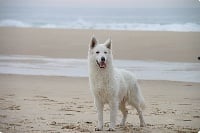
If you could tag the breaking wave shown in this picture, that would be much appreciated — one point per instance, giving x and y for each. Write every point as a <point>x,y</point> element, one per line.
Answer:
<point>82,24</point>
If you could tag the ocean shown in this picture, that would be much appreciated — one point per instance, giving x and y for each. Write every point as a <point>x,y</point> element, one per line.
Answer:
<point>68,67</point>
<point>145,19</point>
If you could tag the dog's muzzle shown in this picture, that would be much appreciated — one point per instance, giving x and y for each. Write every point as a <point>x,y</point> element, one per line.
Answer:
<point>101,64</point>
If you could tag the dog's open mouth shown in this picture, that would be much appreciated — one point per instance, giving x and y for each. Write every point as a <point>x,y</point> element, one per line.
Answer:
<point>101,64</point>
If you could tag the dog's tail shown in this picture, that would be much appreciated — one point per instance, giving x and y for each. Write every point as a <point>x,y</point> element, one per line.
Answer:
<point>135,96</point>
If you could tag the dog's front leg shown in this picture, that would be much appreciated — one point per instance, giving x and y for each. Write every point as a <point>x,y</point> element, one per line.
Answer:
<point>113,115</point>
<point>99,106</point>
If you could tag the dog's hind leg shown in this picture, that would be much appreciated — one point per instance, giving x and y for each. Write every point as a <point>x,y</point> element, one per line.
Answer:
<point>139,110</point>
<point>124,111</point>
<point>136,100</point>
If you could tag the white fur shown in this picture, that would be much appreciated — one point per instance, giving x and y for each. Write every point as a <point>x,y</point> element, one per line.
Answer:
<point>112,86</point>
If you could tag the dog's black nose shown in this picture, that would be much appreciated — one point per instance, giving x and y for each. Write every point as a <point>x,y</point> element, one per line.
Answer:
<point>103,59</point>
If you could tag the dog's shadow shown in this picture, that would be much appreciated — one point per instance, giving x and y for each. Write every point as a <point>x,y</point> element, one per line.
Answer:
<point>128,128</point>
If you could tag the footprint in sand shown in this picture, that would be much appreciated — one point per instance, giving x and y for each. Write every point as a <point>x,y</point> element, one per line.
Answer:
<point>41,97</point>
<point>41,118</point>
<point>196,116</point>
<point>68,109</point>
<point>184,104</point>
<point>3,116</point>
<point>44,98</point>
<point>13,107</point>
<point>60,103</point>
<point>81,106</point>
<point>69,126</point>
<point>10,95</point>
<point>187,120</point>
<point>188,85</point>
<point>88,122</point>
<point>150,125</point>
<point>69,114</point>
<point>2,99</point>
<point>76,127</point>
<point>53,123</point>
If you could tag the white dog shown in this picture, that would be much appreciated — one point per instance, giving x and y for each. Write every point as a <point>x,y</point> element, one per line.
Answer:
<point>112,86</point>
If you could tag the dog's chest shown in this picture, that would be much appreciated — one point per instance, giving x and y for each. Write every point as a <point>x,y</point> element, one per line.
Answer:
<point>104,94</point>
<point>103,88</point>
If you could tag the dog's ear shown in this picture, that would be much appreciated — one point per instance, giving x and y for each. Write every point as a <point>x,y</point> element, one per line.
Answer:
<point>93,42</point>
<point>108,43</point>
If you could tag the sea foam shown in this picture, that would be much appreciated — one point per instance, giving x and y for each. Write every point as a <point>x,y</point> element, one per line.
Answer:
<point>82,24</point>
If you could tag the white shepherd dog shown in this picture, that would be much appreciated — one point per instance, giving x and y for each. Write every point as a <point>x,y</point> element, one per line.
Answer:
<point>112,86</point>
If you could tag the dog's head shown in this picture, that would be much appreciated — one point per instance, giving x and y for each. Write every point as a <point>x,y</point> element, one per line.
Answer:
<point>101,54</point>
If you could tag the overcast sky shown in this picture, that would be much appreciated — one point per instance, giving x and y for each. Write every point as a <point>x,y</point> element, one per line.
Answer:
<point>105,3</point>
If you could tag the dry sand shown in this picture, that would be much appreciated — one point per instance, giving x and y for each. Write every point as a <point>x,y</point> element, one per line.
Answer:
<point>64,104</point>
<point>60,104</point>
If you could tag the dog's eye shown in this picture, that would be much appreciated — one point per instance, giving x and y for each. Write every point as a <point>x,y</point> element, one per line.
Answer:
<point>97,52</point>
<point>105,52</point>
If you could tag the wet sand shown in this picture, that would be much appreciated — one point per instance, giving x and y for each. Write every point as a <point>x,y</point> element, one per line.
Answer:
<point>135,45</point>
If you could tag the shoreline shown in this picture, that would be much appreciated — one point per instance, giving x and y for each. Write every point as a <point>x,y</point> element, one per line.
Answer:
<point>86,78</point>
<point>68,67</point>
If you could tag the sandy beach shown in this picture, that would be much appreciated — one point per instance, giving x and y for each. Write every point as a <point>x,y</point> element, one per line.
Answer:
<point>64,104</point>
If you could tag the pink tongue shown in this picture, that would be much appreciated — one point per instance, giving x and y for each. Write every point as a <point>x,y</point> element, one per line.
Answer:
<point>102,64</point>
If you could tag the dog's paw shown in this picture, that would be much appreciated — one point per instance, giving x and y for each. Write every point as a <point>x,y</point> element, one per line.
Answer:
<point>111,129</point>
<point>122,124</point>
<point>142,125</point>
<point>98,129</point>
